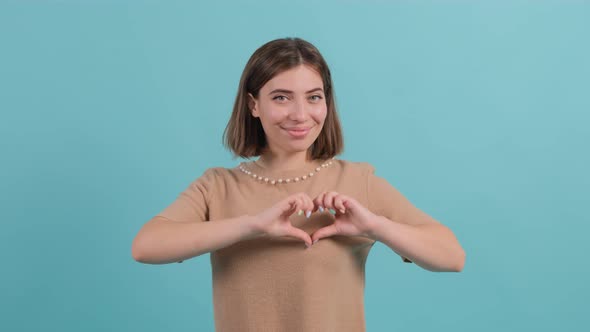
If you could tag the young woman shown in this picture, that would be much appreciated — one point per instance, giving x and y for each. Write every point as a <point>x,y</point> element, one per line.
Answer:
<point>289,232</point>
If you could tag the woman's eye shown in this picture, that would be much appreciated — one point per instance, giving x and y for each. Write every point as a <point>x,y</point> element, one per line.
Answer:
<point>280,98</point>
<point>316,99</point>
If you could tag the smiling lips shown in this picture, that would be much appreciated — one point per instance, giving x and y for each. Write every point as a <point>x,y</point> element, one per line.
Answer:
<point>297,132</point>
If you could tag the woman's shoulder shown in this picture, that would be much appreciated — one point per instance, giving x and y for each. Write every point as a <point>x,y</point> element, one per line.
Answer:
<point>219,173</point>
<point>211,176</point>
<point>355,166</point>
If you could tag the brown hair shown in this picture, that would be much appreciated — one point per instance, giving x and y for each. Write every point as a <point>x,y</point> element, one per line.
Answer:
<point>244,135</point>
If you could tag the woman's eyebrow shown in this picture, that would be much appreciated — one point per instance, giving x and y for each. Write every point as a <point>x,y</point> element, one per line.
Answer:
<point>290,92</point>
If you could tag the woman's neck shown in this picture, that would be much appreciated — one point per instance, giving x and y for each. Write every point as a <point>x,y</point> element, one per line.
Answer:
<point>284,161</point>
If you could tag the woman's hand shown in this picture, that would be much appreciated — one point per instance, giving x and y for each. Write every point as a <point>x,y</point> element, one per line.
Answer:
<point>274,221</point>
<point>352,218</point>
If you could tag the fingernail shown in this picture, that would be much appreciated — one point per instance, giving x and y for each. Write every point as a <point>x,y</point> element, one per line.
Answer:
<point>332,211</point>
<point>307,246</point>
<point>342,211</point>
<point>307,214</point>
<point>300,212</point>
<point>314,241</point>
<point>321,208</point>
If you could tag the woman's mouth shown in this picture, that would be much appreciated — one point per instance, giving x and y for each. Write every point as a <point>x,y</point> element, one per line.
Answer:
<point>297,132</point>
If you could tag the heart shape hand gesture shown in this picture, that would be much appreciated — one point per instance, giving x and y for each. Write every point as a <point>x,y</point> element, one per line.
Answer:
<point>351,217</point>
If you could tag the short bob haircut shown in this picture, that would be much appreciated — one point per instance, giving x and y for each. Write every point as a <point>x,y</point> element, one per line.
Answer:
<point>244,135</point>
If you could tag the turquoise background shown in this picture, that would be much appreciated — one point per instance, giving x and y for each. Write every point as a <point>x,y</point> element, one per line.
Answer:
<point>476,110</point>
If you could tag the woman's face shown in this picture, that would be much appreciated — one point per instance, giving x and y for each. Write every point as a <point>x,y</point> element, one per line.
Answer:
<point>292,109</point>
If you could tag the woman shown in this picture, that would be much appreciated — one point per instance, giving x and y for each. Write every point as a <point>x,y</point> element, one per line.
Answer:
<point>289,233</point>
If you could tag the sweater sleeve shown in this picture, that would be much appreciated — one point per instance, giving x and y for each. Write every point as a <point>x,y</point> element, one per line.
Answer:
<point>192,203</point>
<point>385,200</point>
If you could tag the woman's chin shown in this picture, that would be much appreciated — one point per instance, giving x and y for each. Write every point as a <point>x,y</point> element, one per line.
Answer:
<point>298,147</point>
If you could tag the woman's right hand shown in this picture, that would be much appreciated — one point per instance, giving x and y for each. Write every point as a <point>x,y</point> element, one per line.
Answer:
<point>274,221</point>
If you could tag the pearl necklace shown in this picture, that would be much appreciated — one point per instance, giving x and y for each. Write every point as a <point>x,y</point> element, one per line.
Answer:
<point>281,180</point>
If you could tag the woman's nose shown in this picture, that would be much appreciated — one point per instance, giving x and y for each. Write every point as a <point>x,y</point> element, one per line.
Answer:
<point>299,111</point>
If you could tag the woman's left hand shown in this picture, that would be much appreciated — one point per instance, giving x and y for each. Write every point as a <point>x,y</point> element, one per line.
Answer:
<point>352,218</point>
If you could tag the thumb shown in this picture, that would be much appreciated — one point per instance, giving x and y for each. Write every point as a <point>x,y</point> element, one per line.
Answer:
<point>324,232</point>
<point>300,234</point>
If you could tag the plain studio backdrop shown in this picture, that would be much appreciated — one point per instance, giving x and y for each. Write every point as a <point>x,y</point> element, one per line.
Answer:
<point>477,111</point>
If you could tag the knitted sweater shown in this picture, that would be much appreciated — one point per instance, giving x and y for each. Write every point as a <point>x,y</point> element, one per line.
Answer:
<point>276,284</point>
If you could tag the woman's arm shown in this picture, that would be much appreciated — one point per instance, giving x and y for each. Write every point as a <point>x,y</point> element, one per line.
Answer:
<point>432,246</point>
<point>162,241</point>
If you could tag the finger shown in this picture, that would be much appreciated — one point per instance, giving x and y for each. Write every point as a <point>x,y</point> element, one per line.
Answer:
<point>324,232</point>
<point>309,206</point>
<point>329,200</point>
<point>300,205</point>
<point>338,203</point>
<point>349,203</point>
<point>289,206</point>
<point>319,202</point>
<point>299,234</point>
<point>297,205</point>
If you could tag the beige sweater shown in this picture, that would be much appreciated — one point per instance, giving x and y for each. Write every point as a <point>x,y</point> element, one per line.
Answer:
<point>276,284</point>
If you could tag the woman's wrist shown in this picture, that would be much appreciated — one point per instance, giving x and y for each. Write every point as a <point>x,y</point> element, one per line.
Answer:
<point>252,230</point>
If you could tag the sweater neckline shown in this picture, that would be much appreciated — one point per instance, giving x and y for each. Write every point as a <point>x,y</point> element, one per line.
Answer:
<point>263,171</point>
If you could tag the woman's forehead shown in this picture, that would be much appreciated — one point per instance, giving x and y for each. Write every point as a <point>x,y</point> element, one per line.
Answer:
<point>300,79</point>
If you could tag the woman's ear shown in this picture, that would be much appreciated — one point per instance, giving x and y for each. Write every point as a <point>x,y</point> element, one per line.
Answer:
<point>253,105</point>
